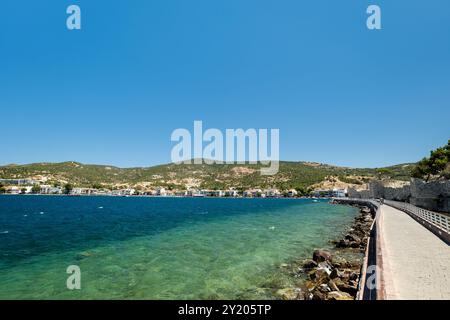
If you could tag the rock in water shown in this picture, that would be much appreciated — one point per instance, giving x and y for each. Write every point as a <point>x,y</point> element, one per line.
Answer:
<point>85,254</point>
<point>321,256</point>
<point>337,295</point>
<point>290,294</point>
<point>310,264</point>
<point>352,237</point>
<point>365,210</point>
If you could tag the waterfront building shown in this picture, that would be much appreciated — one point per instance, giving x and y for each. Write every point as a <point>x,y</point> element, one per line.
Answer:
<point>272,193</point>
<point>47,189</point>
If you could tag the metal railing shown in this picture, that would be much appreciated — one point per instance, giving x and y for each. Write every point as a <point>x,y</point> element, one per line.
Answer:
<point>440,221</point>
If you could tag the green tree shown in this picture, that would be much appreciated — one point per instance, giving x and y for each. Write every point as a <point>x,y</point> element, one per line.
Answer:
<point>23,190</point>
<point>36,189</point>
<point>68,188</point>
<point>436,165</point>
<point>384,173</point>
<point>97,186</point>
<point>301,191</point>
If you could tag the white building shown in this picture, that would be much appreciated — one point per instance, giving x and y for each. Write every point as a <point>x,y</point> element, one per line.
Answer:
<point>47,189</point>
<point>339,193</point>
<point>13,190</point>
<point>253,193</point>
<point>336,193</point>
<point>271,193</point>
<point>161,192</point>
<point>27,189</point>
<point>231,193</point>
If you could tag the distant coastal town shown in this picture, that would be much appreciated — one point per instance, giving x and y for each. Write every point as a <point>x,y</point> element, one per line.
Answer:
<point>30,186</point>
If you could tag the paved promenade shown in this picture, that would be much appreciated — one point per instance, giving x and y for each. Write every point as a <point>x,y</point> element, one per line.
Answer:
<point>416,263</point>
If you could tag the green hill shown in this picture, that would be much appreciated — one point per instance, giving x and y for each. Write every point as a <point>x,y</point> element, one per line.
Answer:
<point>219,176</point>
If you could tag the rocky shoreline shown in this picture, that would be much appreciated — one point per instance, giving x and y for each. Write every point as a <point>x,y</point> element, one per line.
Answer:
<point>332,276</point>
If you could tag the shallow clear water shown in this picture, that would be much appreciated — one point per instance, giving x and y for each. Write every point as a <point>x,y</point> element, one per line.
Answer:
<point>158,248</point>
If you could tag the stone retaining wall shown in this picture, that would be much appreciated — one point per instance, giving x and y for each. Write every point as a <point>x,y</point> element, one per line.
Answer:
<point>433,196</point>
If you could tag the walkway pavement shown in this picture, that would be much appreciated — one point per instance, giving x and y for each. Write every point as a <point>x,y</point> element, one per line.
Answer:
<point>416,263</point>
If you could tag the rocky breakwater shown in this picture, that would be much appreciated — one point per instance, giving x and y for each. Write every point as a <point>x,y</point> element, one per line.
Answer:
<point>332,276</point>
<point>359,232</point>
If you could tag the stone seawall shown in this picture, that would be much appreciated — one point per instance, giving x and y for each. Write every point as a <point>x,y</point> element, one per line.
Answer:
<point>434,196</point>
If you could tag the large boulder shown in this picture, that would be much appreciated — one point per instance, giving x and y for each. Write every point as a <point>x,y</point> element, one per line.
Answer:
<point>319,275</point>
<point>333,286</point>
<point>335,273</point>
<point>365,210</point>
<point>321,256</point>
<point>353,276</point>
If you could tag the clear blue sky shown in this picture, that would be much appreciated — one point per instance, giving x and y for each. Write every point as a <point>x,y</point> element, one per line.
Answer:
<point>113,92</point>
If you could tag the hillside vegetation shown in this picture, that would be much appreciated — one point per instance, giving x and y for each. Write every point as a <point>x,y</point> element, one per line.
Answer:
<point>436,166</point>
<point>298,175</point>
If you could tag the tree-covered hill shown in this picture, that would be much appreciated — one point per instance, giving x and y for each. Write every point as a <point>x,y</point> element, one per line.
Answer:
<point>218,176</point>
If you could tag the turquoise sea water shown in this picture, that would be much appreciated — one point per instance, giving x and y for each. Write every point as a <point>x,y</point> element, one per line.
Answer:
<point>158,248</point>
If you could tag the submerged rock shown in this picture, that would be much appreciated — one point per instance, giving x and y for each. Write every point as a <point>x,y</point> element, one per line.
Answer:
<point>84,255</point>
<point>337,295</point>
<point>290,294</point>
<point>342,243</point>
